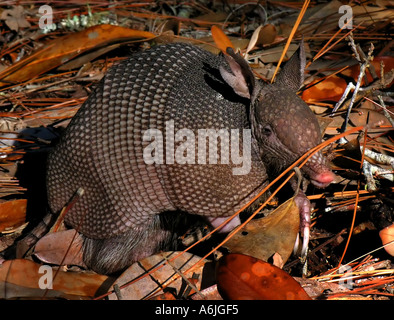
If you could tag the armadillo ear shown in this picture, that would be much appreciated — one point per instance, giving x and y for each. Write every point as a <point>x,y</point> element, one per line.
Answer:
<point>241,77</point>
<point>292,74</point>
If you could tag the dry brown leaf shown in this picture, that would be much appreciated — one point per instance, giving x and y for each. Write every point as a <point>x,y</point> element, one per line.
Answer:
<point>275,233</point>
<point>362,116</point>
<point>60,248</point>
<point>253,39</point>
<point>272,55</point>
<point>267,34</point>
<point>8,238</point>
<point>22,278</point>
<point>63,49</point>
<point>12,214</point>
<point>85,58</point>
<point>14,18</point>
<point>164,276</point>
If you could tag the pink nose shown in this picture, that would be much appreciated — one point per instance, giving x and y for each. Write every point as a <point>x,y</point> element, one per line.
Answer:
<point>325,177</point>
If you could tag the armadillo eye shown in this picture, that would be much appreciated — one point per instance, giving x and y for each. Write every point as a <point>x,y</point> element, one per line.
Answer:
<point>266,130</point>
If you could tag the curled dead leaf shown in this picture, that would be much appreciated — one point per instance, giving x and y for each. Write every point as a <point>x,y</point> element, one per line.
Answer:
<point>275,233</point>
<point>267,34</point>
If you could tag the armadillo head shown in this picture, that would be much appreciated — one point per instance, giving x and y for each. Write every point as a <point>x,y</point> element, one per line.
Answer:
<point>285,129</point>
<point>283,125</point>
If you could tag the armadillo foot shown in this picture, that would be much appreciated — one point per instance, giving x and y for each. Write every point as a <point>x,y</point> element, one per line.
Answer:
<point>305,221</point>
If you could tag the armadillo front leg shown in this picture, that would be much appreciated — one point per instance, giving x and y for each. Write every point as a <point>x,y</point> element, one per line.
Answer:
<point>304,207</point>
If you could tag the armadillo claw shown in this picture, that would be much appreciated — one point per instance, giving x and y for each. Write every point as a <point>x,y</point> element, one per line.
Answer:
<point>305,242</point>
<point>305,221</point>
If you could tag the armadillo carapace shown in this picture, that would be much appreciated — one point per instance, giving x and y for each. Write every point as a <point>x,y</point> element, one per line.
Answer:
<point>137,147</point>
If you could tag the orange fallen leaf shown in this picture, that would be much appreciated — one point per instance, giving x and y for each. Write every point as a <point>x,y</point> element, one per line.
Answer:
<point>221,40</point>
<point>387,236</point>
<point>61,50</point>
<point>330,89</point>
<point>354,71</point>
<point>333,87</point>
<point>12,214</point>
<point>241,277</point>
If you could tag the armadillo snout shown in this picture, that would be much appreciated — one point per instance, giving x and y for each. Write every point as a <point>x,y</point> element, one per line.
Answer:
<point>318,171</point>
<point>323,179</point>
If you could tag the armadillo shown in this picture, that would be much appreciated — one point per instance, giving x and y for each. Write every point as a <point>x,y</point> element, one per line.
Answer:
<point>119,148</point>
